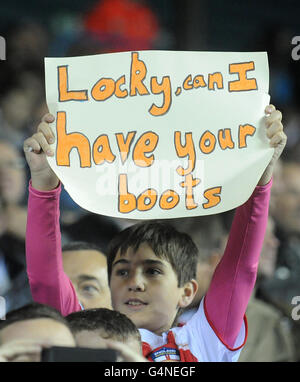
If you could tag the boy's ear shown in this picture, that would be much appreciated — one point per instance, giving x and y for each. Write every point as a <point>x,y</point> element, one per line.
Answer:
<point>189,291</point>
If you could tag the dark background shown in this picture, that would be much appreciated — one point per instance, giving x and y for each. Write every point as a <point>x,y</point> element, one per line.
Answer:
<point>186,25</point>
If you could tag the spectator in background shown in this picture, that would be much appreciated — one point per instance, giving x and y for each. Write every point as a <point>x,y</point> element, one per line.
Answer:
<point>92,228</point>
<point>22,78</point>
<point>270,336</point>
<point>286,213</point>
<point>283,70</point>
<point>285,283</point>
<point>26,331</point>
<point>123,24</point>
<point>293,133</point>
<point>14,285</point>
<point>28,45</point>
<point>86,266</point>
<point>96,328</point>
<point>16,109</point>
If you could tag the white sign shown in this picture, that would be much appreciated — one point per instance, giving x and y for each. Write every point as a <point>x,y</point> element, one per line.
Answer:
<point>159,134</point>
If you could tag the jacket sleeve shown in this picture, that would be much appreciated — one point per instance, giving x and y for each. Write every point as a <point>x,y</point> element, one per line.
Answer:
<point>234,278</point>
<point>48,282</point>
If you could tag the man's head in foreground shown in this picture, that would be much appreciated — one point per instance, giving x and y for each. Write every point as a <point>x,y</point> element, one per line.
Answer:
<point>152,270</point>
<point>93,327</point>
<point>86,266</point>
<point>34,324</point>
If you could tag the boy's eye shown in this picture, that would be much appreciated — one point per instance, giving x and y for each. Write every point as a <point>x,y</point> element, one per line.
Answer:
<point>153,271</point>
<point>122,272</point>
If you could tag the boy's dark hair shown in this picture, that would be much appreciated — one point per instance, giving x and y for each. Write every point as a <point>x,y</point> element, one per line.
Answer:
<point>30,312</point>
<point>81,246</point>
<point>115,324</point>
<point>166,242</point>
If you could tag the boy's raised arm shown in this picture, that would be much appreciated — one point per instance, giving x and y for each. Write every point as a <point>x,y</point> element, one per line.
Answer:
<point>234,278</point>
<point>227,298</point>
<point>48,282</point>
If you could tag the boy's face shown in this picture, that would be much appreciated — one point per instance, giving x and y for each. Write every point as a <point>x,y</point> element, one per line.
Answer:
<point>145,289</point>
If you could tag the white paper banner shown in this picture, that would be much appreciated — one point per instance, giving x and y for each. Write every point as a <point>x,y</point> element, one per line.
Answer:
<point>159,134</point>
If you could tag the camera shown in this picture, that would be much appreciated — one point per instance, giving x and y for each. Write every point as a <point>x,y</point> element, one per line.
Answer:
<point>78,354</point>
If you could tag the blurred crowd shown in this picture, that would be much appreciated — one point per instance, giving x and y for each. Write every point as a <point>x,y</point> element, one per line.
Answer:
<point>116,25</point>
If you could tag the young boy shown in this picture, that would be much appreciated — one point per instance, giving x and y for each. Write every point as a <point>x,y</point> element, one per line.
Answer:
<point>152,268</point>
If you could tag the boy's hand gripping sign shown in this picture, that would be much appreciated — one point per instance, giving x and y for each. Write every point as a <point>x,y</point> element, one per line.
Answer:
<point>159,134</point>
